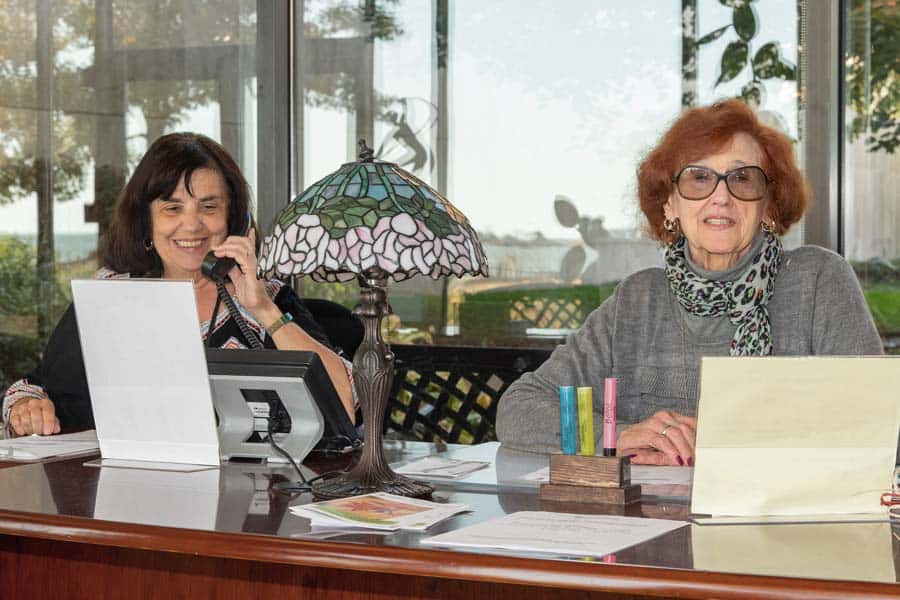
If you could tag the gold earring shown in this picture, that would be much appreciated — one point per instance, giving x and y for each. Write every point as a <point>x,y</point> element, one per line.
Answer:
<point>768,228</point>
<point>670,225</point>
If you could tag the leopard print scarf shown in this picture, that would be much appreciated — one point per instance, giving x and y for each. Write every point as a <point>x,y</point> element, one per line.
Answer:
<point>743,299</point>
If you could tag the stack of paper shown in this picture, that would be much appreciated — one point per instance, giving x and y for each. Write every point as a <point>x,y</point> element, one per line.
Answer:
<point>378,511</point>
<point>439,467</point>
<point>38,447</point>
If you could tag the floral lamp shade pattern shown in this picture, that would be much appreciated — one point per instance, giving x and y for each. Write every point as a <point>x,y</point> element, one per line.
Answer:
<point>371,214</point>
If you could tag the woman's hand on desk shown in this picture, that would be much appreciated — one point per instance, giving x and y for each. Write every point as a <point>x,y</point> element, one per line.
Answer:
<point>33,415</point>
<point>666,438</point>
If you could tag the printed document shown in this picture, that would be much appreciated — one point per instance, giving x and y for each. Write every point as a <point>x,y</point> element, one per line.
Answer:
<point>557,533</point>
<point>440,467</point>
<point>38,447</point>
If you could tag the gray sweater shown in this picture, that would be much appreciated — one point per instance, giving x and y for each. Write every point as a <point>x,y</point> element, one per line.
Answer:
<point>643,336</point>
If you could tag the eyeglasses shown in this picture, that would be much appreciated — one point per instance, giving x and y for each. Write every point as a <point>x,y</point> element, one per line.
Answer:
<point>698,183</point>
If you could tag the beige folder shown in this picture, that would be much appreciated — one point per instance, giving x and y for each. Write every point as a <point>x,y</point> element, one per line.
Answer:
<point>790,436</point>
<point>849,551</point>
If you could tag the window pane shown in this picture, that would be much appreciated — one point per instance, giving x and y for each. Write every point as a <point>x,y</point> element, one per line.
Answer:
<point>532,118</point>
<point>86,87</point>
<point>871,158</point>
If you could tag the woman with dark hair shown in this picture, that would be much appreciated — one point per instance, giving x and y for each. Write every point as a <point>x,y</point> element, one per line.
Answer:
<point>186,198</point>
<point>717,191</point>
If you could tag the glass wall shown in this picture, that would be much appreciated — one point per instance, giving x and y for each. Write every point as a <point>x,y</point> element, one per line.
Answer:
<point>86,87</point>
<point>531,117</point>
<point>871,157</point>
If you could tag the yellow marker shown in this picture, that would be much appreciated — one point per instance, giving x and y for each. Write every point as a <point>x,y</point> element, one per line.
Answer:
<point>586,420</point>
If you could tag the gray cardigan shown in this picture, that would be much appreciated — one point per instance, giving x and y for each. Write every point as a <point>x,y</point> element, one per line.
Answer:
<point>642,336</point>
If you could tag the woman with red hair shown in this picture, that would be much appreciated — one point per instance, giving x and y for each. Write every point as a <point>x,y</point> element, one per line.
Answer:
<point>717,191</point>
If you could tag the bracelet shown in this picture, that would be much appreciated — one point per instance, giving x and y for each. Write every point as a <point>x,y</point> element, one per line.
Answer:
<point>285,318</point>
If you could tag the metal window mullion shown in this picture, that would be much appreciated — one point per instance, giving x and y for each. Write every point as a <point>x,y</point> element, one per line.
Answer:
<point>273,73</point>
<point>822,134</point>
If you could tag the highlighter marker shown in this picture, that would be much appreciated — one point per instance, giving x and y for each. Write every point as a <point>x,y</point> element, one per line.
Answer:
<point>586,421</point>
<point>609,416</point>
<point>567,418</point>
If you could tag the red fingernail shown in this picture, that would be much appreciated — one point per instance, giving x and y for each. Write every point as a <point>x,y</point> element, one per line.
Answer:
<point>629,455</point>
<point>691,461</point>
<point>680,462</point>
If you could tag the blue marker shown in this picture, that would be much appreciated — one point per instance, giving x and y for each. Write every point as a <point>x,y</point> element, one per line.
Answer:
<point>567,418</point>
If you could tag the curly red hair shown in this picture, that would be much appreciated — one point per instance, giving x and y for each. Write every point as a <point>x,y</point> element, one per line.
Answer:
<point>706,130</point>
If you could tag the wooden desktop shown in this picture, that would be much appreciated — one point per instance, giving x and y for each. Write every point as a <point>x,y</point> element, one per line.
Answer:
<point>68,531</point>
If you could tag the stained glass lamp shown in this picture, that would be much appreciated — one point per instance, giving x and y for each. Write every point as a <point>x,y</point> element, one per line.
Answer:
<point>371,221</point>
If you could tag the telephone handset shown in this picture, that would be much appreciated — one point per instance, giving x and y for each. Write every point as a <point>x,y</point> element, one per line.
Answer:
<point>217,268</point>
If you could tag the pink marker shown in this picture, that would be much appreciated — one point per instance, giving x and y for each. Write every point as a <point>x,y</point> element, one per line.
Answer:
<point>609,416</point>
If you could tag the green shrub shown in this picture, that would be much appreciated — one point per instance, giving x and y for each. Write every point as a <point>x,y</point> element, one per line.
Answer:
<point>884,302</point>
<point>18,281</point>
<point>346,293</point>
<point>510,311</point>
<point>18,277</point>
<point>590,295</point>
<point>877,270</point>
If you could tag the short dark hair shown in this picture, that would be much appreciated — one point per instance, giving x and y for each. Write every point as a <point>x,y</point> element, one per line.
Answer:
<point>156,176</point>
<point>705,130</point>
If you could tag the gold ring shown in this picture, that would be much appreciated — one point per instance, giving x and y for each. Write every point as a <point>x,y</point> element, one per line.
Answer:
<point>665,429</point>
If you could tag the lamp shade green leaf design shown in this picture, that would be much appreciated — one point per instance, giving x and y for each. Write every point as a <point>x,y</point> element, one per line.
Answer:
<point>371,214</point>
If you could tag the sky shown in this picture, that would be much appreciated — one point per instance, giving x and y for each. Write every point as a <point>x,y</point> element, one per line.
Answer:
<point>547,98</point>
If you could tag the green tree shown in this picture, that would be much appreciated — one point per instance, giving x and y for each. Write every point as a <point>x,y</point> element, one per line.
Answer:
<point>18,102</point>
<point>765,62</point>
<point>342,19</point>
<point>137,26</point>
<point>873,81</point>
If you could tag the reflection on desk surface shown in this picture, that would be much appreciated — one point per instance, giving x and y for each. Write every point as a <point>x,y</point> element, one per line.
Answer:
<point>851,551</point>
<point>175,499</point>
<point>241,498</point>
<point>516,469</point>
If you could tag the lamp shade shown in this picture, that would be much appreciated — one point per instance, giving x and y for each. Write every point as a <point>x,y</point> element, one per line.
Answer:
<point>370,214</point>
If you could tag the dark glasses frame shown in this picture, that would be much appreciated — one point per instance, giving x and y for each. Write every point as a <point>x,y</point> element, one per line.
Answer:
<point>719,178</point>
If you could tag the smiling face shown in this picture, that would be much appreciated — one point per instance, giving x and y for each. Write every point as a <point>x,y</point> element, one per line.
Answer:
<point>720,229</point>
<point>185,226</point>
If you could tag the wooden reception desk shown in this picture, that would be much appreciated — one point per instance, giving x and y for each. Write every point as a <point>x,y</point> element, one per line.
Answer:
<point>71,531</point>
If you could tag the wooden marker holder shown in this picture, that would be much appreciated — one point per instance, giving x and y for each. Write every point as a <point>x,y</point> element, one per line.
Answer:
<point>603,479</point>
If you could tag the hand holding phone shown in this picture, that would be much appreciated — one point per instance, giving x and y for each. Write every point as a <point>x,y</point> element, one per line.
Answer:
<point>217,268</point>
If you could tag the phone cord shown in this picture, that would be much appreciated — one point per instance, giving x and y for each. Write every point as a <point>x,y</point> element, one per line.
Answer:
<point>236,315</point>
<point>212,320</point>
